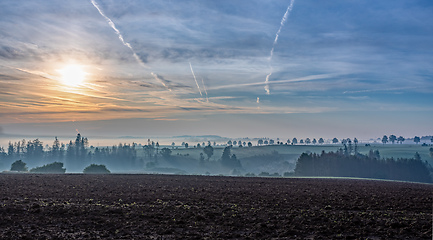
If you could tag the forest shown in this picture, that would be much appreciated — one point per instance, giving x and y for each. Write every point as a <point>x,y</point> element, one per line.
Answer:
<point>343,164</point>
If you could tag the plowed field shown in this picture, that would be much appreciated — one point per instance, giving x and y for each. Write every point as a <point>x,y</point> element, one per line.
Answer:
<point>202,207</point>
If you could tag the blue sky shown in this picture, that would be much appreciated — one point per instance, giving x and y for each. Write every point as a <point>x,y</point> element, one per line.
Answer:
<point>339,68</point>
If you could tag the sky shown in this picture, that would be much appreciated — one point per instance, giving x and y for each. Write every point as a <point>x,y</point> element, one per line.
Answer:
<point>257,68</point>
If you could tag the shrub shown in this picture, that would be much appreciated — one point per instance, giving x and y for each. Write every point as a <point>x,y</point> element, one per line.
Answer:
<point>55,167</point>
<point>94,168</point>
<point>19,166</point>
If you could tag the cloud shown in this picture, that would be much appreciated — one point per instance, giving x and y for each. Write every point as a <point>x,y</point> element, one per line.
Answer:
<point>161,80</point>
<point>301,79</point>
<point>195,79</point>
<point>113,26</point>
<point>335,54</point>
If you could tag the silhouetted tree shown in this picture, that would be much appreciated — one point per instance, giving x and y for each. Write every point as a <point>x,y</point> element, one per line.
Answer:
<point>2,153</point>
<point>55,167</point>
<point>76,153</point>
<point>271,142</point>
<point>208,150</point>
<point>34,151</point>
<point>288,141</point>
<point>11,150</point>
<point>401,139</point>
<point>334,140</point>
<point>229,161</point>
<point>343,141</point>
<point>266,142</point>
<point>235,162</point>
<point>294,141</point>
<point>355,141</point>
<point>301,141</point>
<point>186,145</point>
<point>157,148</point>
<point>384,139</point>
<point>416,139</point>
<point>96,169</point>
<point>225,158</point>
<point>260,142</point>
<point>392,138</point>
<point>166,153</point>
<point>19,166</point>
<point>149,150</point>
<point>57,151</point>
<point>321,141</point>
<point>314,141</point>
<point>349,145</point>
<point>235,143</point>
<point>307,141</point>
<point>230,143</point>
<point>250,144</point>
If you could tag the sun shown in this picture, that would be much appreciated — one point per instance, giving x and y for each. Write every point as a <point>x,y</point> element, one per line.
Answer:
<point>72,75</point>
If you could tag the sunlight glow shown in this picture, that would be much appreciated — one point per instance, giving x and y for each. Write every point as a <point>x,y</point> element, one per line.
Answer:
<point>72,75</point>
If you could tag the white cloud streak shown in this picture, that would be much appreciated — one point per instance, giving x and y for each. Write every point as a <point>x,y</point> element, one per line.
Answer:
<point>205,91</point>
<point>195,79</point>
<point>301,79</point>
<point>283,20</point>
<point>113,26</point>
<point>160,80</point>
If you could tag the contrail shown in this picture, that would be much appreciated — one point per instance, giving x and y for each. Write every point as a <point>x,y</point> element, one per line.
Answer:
<point>195,79</point>
<point>204,87</point>
<point>301,79</point>
<point>160,80</point>
<point>113,26</point>
<point>283,20</point>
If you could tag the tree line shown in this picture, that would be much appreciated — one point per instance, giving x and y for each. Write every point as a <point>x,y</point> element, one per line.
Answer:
<point>76,155</point>
<point>343,164</point>
<point>294,141</point>
<point>392,138</point>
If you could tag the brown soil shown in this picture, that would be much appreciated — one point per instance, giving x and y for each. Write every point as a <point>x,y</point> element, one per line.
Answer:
<point>198,207</point>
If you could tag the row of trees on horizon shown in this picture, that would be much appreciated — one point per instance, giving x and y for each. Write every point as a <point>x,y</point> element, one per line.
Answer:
<point>77,153</point>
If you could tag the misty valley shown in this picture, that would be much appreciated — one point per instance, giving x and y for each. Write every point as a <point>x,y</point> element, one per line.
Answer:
<point>234,189</point>
<point>264,158</point>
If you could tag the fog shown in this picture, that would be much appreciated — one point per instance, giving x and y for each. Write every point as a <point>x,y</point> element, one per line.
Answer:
<point>214,155</point>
